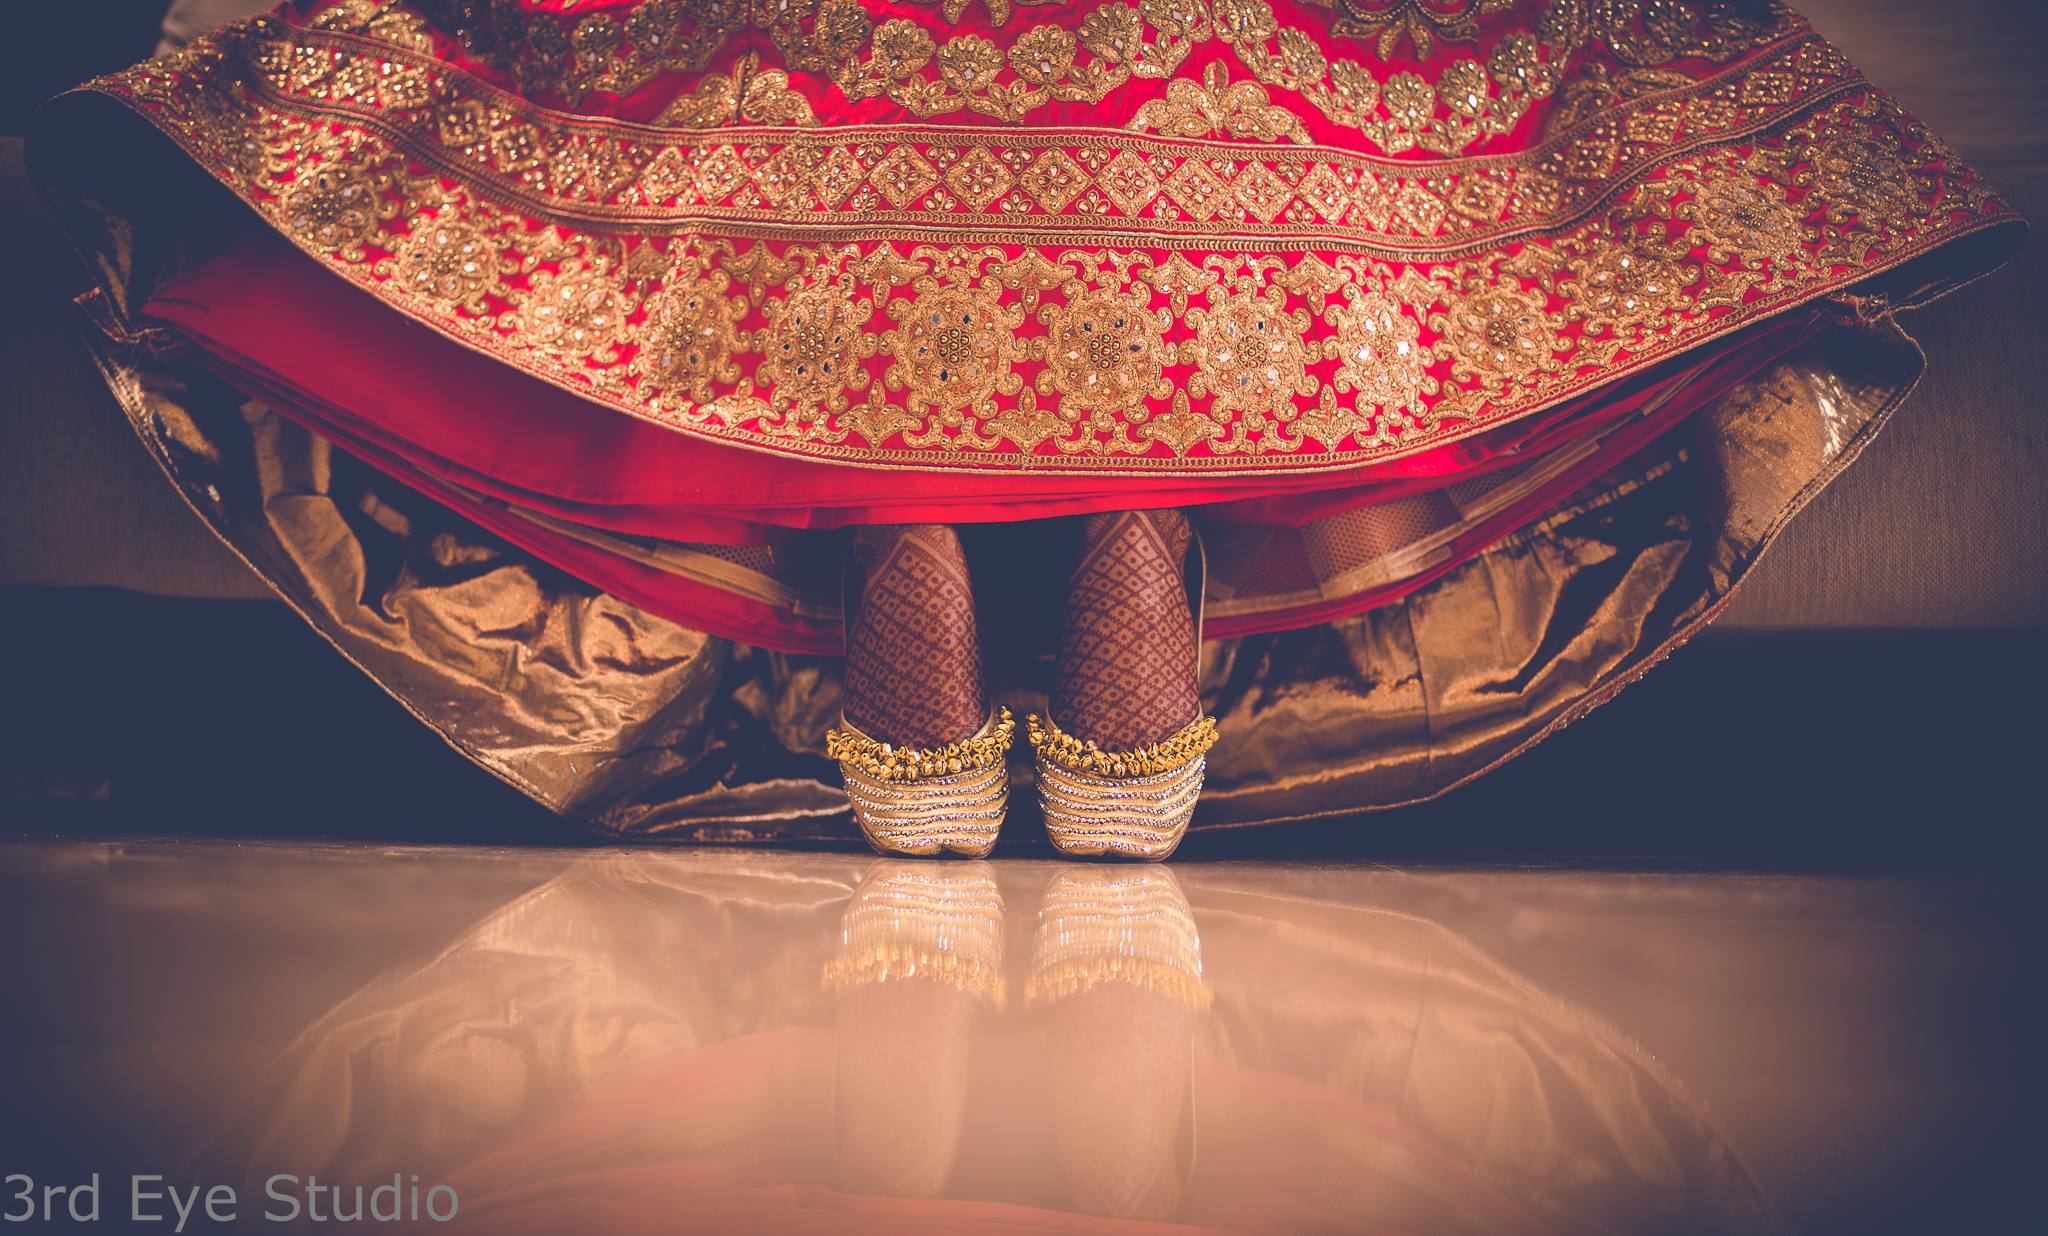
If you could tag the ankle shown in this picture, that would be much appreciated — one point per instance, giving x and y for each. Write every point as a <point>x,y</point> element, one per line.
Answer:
<point>913,665</point>
<point>1127,655</point>
<point>1170,527</point>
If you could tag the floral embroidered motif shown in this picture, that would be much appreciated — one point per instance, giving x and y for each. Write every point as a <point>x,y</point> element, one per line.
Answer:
<point>956,343</point>
<point>393,23</point>
<point>576,317</point>
<point>691,334</point>
<point>1498,335</point>
<point>1421,22</point>
<point>614,52</point>
<point>786,176</point>
<point>1378,349</point>
<point>816,341</point>
<point>1249,346</point>
<point>1857,173</point>
<point>1217,108</point>
<point>1619,288</point>
<point>447,262</point>
<point>1737,218</point>
<point>998,10</point>
<point>749,94</point>
<point>619,51</point>
<point>334,207</point>
<point>1654,32</point>
<point>1105,350</point>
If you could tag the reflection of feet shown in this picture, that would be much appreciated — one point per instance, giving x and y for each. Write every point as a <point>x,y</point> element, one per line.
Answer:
<point>921,949</point>
<point>1120,764</point>
<point>1117,967</point>
<point>921,755</point>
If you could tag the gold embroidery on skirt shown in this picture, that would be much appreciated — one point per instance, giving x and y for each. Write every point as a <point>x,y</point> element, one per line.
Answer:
<point>1387,22</point>
<point>1220,327</point>
<point>1062,179</point>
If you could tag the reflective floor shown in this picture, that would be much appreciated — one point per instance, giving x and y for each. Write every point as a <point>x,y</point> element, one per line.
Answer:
<point>598,1041</point>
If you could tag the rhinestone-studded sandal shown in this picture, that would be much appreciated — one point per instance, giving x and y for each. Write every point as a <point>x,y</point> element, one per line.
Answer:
<point>949,797</point>
<point>1124,804</point>
<point>925,801</point>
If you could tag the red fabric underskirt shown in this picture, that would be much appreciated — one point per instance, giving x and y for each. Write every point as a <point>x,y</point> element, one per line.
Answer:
<point>475,434</point>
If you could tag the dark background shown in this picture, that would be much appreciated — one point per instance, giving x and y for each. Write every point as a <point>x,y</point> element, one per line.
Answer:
<point>50,45</point>
<point>1904,752</point>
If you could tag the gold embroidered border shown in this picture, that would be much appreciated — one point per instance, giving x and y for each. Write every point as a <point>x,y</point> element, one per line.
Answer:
<point>1122,357</point>
<point>1060,184</point>
<point>931,72</point>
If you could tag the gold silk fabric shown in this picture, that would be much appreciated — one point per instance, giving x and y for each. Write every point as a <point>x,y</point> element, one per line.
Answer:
<point>641,728</point>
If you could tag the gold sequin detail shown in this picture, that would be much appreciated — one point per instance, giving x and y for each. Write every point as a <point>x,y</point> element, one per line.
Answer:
<point>1218,107</point>
<point>955,343</point>
<point>1105,349</point>
<point>691,334</point>
<point>1063,750</point>
<point>1421,22</point>
<point>334,206</point>
<point>447,261</point>
<point>907,765</point>
<point>816,343</point>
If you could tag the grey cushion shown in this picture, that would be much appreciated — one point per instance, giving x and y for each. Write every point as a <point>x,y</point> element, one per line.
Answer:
<point>1944,521</point>
<point>80,502</point>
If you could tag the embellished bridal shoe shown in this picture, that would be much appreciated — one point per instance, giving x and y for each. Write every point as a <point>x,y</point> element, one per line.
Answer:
<point>1133,802</point>
<point>927,801</point>
<point>1126,804</point>
<point>937,780</point>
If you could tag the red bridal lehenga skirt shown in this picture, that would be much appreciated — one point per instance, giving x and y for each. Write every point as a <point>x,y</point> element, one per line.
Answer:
<point>539,351</point>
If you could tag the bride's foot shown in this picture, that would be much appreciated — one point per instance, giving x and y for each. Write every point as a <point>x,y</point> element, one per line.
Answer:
<point>1120,763</point>
<point>921,753</point>
<point>913,658</point>
<point>1127,652</point>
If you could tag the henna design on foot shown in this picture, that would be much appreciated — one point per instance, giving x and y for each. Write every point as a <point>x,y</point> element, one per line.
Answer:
<point>1127,653</point>
<point>913,658</point>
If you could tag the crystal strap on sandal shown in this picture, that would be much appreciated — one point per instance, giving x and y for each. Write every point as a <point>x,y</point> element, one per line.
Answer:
<point>923,801</point>
<point>1130,804</point>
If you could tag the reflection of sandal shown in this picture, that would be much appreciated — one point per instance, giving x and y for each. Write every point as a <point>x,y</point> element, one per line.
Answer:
<point>936,921</point>
<point>924,801</point>
<point>1116,977</point>
<point>920,957</point>
<point>1132,803</point>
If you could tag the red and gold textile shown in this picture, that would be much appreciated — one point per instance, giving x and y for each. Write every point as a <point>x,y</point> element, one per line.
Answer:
<point>1184,237</point>
<point>1297,258</point>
